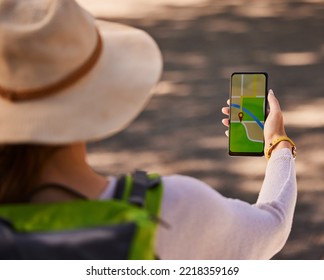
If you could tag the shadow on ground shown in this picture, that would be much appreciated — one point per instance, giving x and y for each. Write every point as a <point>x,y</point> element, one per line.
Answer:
<point>181,131</point>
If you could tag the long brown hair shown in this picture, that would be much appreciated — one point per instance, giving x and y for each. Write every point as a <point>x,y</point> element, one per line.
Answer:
<point>20,167</point>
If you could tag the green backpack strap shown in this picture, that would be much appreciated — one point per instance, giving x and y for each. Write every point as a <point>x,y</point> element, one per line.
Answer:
<point>144,191</point>
<point>141,189</point>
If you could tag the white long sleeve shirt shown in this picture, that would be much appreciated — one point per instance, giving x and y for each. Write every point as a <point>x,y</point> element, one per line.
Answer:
<point>206,225</point>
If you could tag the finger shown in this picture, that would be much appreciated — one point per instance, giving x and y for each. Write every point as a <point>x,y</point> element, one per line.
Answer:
<point>225,122</point>
<point>273,102</point>
<point>226,111</point>
<point>227,133</point>
<point>228,102</point>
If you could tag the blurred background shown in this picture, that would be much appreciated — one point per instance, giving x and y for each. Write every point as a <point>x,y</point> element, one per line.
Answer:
<point>203,42</point>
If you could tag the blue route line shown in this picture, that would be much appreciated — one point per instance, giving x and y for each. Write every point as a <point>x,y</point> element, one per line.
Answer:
<point>250,114</point>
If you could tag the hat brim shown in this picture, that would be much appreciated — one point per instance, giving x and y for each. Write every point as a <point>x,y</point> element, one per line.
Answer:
<point>100,104</point>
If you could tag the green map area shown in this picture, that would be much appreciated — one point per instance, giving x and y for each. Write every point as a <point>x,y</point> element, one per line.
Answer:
<point>247,112</point>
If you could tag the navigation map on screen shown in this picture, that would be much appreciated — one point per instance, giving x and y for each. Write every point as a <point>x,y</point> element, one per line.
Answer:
<point>248,101</point>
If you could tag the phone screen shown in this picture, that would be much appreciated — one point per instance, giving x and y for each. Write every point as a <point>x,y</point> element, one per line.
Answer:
<point>248,103</point>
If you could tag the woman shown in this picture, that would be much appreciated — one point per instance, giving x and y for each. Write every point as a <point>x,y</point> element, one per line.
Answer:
<point>66,79</point>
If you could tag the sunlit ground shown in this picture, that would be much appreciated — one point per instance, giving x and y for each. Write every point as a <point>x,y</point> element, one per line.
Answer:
<point>203,42</point>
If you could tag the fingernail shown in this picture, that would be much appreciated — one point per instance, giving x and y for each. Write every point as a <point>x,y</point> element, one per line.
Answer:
<point>271,92</point>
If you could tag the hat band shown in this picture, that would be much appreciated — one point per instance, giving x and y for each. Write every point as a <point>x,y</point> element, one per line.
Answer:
<point>71,78</point>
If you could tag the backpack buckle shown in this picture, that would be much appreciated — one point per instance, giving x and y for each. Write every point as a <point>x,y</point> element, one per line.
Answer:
<point>141,183</point>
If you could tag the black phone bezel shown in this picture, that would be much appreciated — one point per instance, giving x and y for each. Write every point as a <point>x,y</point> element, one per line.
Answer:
<point>260,154</point>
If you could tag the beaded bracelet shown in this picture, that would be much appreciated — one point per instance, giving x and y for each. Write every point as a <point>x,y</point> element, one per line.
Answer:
<point>276,142</point>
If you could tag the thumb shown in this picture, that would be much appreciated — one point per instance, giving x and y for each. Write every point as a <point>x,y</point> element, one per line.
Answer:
<point>273,102</point>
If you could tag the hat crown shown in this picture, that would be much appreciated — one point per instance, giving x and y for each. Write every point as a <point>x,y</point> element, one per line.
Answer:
<point>42,41</point>
<point>19,12</point>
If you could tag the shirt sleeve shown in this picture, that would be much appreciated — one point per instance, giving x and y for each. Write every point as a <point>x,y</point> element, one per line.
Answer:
<point>203,224</point>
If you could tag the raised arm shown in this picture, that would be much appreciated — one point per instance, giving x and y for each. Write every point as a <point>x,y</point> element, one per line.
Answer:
<point>206,225</point>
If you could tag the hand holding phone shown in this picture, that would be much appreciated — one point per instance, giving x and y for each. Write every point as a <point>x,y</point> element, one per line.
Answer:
<point>273,127</point>
<point>248,103</point>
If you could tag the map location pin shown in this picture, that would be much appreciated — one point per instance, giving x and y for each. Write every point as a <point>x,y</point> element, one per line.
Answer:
<point>240,115</point>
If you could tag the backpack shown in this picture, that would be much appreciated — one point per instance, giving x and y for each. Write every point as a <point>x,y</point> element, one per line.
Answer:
<point>120,228</point>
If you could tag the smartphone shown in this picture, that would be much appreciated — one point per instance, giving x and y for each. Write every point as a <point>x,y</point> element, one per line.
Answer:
<point>248,103</point>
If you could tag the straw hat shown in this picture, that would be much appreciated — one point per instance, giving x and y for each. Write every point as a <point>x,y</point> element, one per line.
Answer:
<point>65,77</point>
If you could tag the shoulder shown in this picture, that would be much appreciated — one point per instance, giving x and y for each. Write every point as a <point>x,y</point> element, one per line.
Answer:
<point>180,187</point>
<point>182,194</point>
<point>181,179</point>
<point>186,186</point>
<point>193,210</point>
